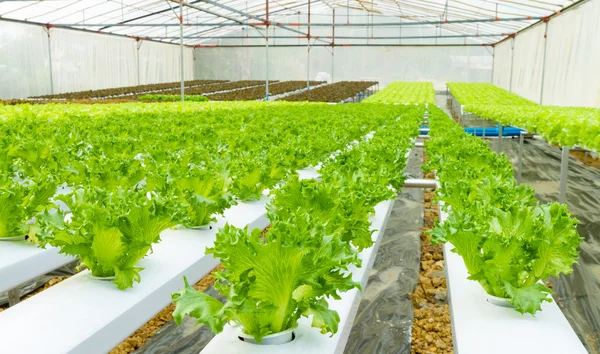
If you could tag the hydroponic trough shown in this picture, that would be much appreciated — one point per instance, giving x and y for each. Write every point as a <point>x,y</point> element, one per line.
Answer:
<point>82,315</point>
<point>21,261</point>
<point>308,339</point>
<point>481,327</point>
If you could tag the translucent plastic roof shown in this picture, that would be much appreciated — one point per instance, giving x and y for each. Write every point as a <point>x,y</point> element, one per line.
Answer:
<point>487,21</point>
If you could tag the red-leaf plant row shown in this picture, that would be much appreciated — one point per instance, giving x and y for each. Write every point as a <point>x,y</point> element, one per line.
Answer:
<point>129,90</point>
<point>205,89</point>
<point>337,92</point>
<point>259,92</point>
<point>234,85</point>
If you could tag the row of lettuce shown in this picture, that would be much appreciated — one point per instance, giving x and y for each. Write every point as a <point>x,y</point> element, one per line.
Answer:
<point>125,172</point>
<point>405,93</point>
<point>509,241</point>
<point>318,228</point>
<point>565,126</point>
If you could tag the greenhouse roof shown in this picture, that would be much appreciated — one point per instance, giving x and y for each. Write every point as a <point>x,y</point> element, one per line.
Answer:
<point>484,21</point>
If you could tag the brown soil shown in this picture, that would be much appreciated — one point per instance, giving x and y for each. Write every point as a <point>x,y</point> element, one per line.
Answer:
<point>143,334</point>
<point>431,331</point>
<point>589,160</point>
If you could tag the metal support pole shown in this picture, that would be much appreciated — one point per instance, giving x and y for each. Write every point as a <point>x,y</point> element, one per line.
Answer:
<point>308,51</point>
<point>308,66</point>
<point>564,175</point>
<point>333,46</point>
<point>267,51</point>
<point>520,163</point>
<point>267,64</point>
<point>332,63</point>
<point>50,63</point>
<point>512,61</point>
<point>544,63</point>
<point>493,62</point>
<point>137,59</point>
<point>14,296</point>
<point>499,148</point>
<point>181,50</point>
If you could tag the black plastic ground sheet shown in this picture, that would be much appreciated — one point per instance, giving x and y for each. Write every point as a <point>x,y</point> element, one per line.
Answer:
<point>385,316</point>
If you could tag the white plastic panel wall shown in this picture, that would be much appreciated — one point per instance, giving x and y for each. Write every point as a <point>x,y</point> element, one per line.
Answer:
<point>573,57</point>
<point>24,68</point>
<point>502,64</point>
<point>528,63</point>
<point>160,63</point>
<point>85,61</point>
<point>81,61</point>
<point>383,64</point>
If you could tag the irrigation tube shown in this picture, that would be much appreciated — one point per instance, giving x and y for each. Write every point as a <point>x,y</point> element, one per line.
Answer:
<point>420,183</point>
<point>485,132</point>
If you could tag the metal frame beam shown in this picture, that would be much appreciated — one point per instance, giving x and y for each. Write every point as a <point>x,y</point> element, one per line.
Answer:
<point>141,17</point>
<point>46,25</point>
<point>321,24</point>
<point>337,45</point>
<point>210,12</point>
<point>256,18</point>
<point>547,18</point>
<point>338,37</point>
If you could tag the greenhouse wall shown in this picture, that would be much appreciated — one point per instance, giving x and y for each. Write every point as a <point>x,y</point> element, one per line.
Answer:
<point>406,57</point>
<point>571,67</point>
<point>383,64</point>
<point>98,61</point>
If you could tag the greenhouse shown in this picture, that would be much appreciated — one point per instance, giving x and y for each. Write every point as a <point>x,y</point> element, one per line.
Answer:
<point>300,176</point>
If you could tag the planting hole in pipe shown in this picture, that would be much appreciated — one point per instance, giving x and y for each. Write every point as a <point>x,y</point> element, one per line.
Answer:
<point>272,339</point>
<point>499,301</point>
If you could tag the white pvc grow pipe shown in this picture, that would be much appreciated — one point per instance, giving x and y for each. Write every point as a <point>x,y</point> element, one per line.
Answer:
<point>21,261</point>
<point>308,339</point>
<point>481,327</point>
<point>104,315</point>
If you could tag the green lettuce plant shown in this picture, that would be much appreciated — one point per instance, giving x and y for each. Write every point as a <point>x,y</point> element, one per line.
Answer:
<point>337,209</point>
<point>110,231</point>
<point>405,93</point>
<point>21,199</point>
<point>565,126</point>
<point>205,194</point>
<point>508,241</point>
<point>271,281</point>
<point>513,251</point>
